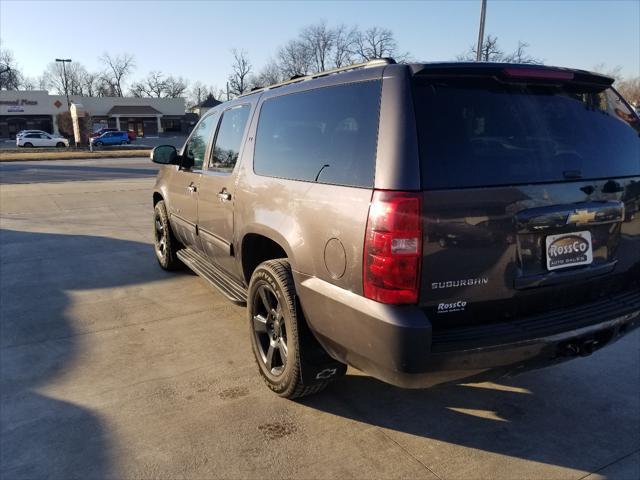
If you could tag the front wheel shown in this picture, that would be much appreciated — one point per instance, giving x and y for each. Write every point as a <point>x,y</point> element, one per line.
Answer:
<point>275,327</point>
<point>28,145</point>
<point>98,144</point>
<point>165,244</point>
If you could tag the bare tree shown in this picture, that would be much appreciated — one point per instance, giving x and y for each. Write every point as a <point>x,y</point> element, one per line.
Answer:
<point>239,79</point>
<point>630,90</point>
<point>29,83</point>
<point>153,85</point>
<point>492,52</point>
<point>343,43</point>
<point>197,94</point>
<point>613,72</point>
<point>268,75</point>
<point>10,75</point>
<point>71,77</point>
<point>117,69</point>
<point>295,59</point>
<point>520,55</point>
<point>320,41</point>
<point>375,42</point>
<point>175,87</point>
<point>90,83</point>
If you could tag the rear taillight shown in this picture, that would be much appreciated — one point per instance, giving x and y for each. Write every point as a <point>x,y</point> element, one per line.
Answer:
<point>393,247</point>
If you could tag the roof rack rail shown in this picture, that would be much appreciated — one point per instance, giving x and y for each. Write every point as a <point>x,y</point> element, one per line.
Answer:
<point>371,63</point>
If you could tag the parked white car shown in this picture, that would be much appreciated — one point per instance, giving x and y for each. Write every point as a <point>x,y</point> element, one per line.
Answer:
<point>22,133</point>
<point>41,140</point>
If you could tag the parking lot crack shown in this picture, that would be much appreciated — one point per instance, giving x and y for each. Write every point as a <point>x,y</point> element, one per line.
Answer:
<point>409,453</point>
<point>588,475</point>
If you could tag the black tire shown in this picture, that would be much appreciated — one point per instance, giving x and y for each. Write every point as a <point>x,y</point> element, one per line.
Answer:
<point>60,145</point>
<point>123,142</point>
<point>282,324</point>
<point>28,145</point>
<point>98,144</point>
<point>165,243</point>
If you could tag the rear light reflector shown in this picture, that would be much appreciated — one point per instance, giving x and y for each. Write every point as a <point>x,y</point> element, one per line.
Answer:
<point>537,74</point>
<point>393,247</point>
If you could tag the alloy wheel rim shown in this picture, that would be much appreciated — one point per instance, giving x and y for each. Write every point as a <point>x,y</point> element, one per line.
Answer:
<point>160,236</point>
<point>269,330</point>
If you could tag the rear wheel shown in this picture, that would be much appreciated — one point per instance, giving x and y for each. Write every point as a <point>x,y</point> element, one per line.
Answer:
<point>60,145</point>
<point>275,328</point>
<point>123,142</point>
<point>166,245</point>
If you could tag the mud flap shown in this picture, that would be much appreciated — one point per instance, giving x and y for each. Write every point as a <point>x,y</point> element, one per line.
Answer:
<point>316,365</point>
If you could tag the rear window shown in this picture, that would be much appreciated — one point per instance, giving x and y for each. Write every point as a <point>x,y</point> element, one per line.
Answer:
<point>328,135</point>
<point>482,132</point>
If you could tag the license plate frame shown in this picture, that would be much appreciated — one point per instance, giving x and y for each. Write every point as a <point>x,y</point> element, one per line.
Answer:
<point>566,250</point>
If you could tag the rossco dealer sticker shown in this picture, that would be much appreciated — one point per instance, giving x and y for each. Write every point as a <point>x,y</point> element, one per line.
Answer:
<point>569,250</point>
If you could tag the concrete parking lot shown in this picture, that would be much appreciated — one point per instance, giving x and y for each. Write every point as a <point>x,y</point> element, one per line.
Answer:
<point>111,367</point>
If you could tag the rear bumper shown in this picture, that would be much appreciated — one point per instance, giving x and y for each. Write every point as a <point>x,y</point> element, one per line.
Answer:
<point>396,344</point>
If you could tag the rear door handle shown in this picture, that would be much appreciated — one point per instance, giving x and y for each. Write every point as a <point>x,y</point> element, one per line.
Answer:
<point>224,195</point>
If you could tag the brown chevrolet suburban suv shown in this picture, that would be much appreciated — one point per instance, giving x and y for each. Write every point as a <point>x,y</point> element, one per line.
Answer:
<point>424,223</point>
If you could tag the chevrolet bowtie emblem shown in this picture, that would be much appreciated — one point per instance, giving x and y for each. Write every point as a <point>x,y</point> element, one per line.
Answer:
<point>580,217</point>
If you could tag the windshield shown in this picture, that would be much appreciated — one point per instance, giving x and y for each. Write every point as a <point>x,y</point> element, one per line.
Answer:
<point>481,132</point>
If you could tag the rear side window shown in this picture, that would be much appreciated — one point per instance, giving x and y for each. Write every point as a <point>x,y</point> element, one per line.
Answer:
<point>482,132</point>
<point>328,135</point>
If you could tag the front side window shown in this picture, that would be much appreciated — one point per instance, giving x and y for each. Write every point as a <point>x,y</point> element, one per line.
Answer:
<point>326,135</point>
<point>197,145</point>
<point>227,147</point>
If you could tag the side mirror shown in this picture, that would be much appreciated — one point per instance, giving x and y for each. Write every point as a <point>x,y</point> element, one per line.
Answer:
<point>165,155</point>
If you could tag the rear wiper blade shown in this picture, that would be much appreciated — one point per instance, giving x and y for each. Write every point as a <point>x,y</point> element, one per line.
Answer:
<point>572,174</point>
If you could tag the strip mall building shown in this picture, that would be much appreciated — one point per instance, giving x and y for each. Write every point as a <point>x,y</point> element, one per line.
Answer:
<point>36,109</point>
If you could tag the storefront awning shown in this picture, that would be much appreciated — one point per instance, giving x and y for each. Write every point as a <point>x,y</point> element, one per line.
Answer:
<point>133,110</point>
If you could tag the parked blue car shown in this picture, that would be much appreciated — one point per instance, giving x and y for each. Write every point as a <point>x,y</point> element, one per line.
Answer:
<point>111,138</point>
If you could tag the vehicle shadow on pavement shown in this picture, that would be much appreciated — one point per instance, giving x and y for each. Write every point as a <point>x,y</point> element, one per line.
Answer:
<point>41,436</point>
<point>571,415</point>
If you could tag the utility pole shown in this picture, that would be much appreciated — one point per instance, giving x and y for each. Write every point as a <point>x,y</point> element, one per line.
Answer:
<point>227,91</point>
<point>483,13</point>
<point>65,83</point>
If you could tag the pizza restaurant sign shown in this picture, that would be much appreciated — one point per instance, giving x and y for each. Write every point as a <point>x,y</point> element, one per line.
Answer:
<point>17,105</point>
<point>22,101</point>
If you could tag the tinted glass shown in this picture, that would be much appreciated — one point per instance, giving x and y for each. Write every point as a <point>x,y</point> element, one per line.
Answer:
<point>196,146</point>
<point>482,132</point>
<point>225,152</point>
<point>329,133</point>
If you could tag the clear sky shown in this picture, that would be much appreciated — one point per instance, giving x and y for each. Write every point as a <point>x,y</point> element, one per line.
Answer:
<point>193,39</point>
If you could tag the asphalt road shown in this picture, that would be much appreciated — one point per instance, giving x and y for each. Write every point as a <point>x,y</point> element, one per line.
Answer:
<point>110,367</point>
<point>176,140</point>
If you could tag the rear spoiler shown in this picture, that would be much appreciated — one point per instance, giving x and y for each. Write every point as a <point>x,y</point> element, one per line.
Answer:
<point>513,73</point>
